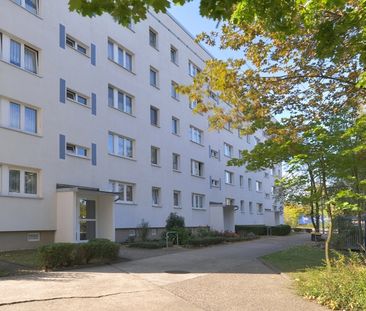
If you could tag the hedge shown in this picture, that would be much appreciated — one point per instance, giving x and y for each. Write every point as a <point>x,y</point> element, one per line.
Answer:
<point>148,244</point>
<point>206,241</point>
<point>256,229</point>
<point>281,230</point>
<point>58,255</point>
<point>262,229</point>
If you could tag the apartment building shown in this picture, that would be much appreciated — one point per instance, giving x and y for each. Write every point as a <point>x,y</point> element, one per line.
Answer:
<point>95,139</point>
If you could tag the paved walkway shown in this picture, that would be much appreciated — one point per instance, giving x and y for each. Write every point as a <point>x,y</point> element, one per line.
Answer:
<point>226,277</point>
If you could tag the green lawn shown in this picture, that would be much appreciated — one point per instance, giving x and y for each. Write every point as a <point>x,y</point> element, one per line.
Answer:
<point>26,259</point>
<point>296,259</point>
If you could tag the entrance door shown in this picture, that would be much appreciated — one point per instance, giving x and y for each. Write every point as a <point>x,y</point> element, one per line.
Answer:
<point>87,220</point>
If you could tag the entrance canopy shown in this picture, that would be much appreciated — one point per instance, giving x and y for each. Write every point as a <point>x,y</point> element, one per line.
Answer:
<point>84,213</point>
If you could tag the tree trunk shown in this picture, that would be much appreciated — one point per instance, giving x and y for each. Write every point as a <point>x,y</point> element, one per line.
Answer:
<point>329,237</point>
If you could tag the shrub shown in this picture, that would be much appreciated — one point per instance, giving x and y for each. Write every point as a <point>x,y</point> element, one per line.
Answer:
<point>57,255</point>
<point>174,221</point>
<point>143,230</point>
<point>343,287</point>
<point>256,229</point>
<point>148,244</point>
<point>196,241</point>
<point>281,230</point>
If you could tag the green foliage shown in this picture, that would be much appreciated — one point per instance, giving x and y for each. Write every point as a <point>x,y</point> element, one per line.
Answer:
<point>256,229</point>
<point>292,212</point>
<point>174,221</point>
<point>206,241</point>
<point>143,230</point>
<point>281,230</point>
<point>343,287</point>
<point>59,255</point>
<point>153,244</point>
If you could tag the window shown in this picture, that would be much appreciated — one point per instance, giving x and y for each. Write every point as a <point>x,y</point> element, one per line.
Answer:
<point>28,123</point>
<point>76,45</point>
<point>193,104</point>
<point>196,135</point>
<point>14,115</point>
<point>198,200</point>
<point>259,208</point>
<point>193,70</point>
<point>267,196</point>
<point>33,237</point>
<point>120,55</point>
<point>250,207</point>
<point>153,38</point>
<point>120,146</point>
<point>76,150</point>
<point>125,191</point>
<point>215,183</point>
<point>273,190</point>
<point>197,168</point>
<point>227,126</point>
<point>155,154</point>
<point>242,206</point>
<point>30,59</point>
<point>248,139</point>
<point>154,116</point>
<point>14,181</point>
<point>214,154</point>
<point>241,181</point>
<point>120,100</point>
<point>215,97</point>
<point>176,162</point>
<point>229,178</point>
<point>175,126</point>
<point>258,186</point>
<point>173,55</point>
<point>153,77</point>
<point>229,201</point>
<point>15,48</point>
<point>23,181</point>
<point>266,175</point>
<point>176,199</point>
<point>156,196</point>
<point>76,97</point>
<point>173,90</point>
<point>228,150</point>
<point>273,171</point>
<point>249,184</point>
<point>29,5</point>
<point>256,140</point>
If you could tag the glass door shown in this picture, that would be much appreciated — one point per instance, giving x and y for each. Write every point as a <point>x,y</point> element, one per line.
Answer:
<point>87,220</point>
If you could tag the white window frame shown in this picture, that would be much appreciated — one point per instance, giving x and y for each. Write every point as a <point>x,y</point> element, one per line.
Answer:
<point>77,149</point>
<point>115,145</point>
<point>155,42</point>
<point>117,51</point>
<point>174,51</point>
<point>173,90</point>
<point>22,187</point>
<point>196,135</point>
<point>229,178</point>
<point>193,69</point>
<point>198,201</point>
<point>179,196</point>
<point>242,206</point>
<point>177,156</point>
<point>241,181</point>
<point>250,184</point>
<point>258,186</point>
<point>157,111</point>
<point>116,92</point>
<point>116,186</point>
<point>197,168</point>
<point>77,96</point>
<point>76,45</point>
<point>22,116</point>
<point>157,149</point>
<point>214,154</point>
<point>259,208</point>
<point>177,121</point>
<point>215,183</point>
<point>250,204</point>
<point>228,150</point>
<point>158,203</point>
<point>156,84</point>
<point>22,3</point>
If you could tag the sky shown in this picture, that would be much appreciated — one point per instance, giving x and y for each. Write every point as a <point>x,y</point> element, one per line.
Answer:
<point>188,15</point>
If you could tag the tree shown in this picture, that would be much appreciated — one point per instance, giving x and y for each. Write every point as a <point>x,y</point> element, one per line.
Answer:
<point>337,27</point>
<point>292,213</point>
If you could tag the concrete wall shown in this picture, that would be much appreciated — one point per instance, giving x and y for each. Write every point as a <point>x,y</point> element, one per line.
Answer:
<point>19,240</point>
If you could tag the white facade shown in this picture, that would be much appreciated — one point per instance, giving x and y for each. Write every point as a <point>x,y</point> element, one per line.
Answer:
<point>87,103</point>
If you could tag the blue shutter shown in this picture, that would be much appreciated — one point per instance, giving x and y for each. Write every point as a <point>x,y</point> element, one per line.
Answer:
<point>62,36</point>
<point>93,55</point>
<point>62,91</point>
<point>94,104</point>
<point>94,154</point>
<point>62,146</point>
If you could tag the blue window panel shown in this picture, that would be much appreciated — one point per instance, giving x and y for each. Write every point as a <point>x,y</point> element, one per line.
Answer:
<point>94,154</point>
<point>62,146</point>
<point>93,55</point>
<point>62,36</point>
<point>94,104</point>
<point>62,91</point>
